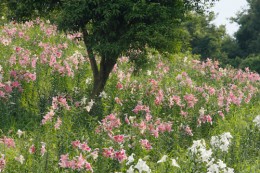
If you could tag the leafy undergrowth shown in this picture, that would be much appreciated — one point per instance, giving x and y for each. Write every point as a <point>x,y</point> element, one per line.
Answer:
<point>176,114</point>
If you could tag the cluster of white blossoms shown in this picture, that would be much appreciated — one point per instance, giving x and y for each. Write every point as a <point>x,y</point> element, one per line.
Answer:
<point>222,141</point>
<point>257,121</point>
<point>141,165</point>
<point>173,161</point>
<point>203,155</point>
<point>199,149</point>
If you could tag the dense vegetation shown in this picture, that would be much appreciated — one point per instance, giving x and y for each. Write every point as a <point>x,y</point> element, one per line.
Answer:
<point>165,107</point>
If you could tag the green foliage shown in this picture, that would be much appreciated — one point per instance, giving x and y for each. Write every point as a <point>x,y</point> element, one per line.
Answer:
<point>247,36</point>
<point>204,38</point>
<point>253,62</point>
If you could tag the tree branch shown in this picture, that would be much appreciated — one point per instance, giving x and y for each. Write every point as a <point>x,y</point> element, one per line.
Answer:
<point>90,52</point>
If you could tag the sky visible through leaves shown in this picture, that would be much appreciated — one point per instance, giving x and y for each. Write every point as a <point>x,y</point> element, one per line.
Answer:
<point>227,9</point>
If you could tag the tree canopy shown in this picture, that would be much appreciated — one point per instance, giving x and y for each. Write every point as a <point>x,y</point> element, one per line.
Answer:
<point>248,35</point>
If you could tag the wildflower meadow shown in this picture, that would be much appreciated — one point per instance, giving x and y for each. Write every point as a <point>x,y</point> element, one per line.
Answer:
<point>174,113</point>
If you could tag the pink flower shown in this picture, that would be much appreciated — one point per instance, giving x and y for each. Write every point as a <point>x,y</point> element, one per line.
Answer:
<point>76,143</point>
<point>2,163</point>
<point>191,100</point>
<point>58,123</point>
<point>120,155</point>
<point>80,162</point>
<point>43,149</point>
<point>119,138</point>
<point>108,152</point>
<point>184,114</point>
<point>188,130</point>
<point>175,99</point>
<point>64,163</point>
<point>221,114</point>
<point>137,108</point>
<point>12,60</point>
<point>127,120</point>
<point>8,88</point>
<point>159,97</point>
<point>33,63</point>
<point>9,142</point>
<point>168,126</point>
<point>32,149</point>
<point>15,84</point>
<point>88,167</point>
<point>84,146</point>
<point>13,73</point>
<point>148,117</point>
<point>146,144</point>
<point>118,101</point>
<point>48,117</point>
<point>119,86</point>
<point>110,122</point>
<point>142,126</point>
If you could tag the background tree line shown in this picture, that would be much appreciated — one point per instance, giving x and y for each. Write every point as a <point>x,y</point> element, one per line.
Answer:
<point>210,41</point>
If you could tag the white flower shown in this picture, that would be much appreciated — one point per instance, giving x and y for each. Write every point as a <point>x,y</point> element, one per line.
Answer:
<point>214,141</point>
<point>229,170</point>
<point>202,111</point>
<point>130,170</point>
<point>132,118</point>
<point>20,159</point>
<point>83,100</point>
<point>103,94</point>
<point>213,168</point>
<point>91,103</point>
<point>222,141</point>
<point>257,121</point>
<point>130,159</point>
<point>163,159</point>
<point>221,164</point>
<point>174,163</point>
<point>149,72</point>
<point>89,106</point>
<point>185,59</point>
<point>196,145</point>
<point>142,166</point>
<point>88,81</point>
<point>19,133</point>
<point>205,154</point>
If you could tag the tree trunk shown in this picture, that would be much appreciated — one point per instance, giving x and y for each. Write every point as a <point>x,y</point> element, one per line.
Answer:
<point>106,66</point>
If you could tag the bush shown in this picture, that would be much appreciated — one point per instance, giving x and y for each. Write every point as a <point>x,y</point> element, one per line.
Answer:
<point>253,62</point>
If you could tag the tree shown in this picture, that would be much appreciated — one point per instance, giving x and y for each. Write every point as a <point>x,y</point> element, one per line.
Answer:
<point>113,27</point>
<point>205,38</point>
<point>248,34</point>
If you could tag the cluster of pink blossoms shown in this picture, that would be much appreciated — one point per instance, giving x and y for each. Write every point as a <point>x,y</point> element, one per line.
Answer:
<point>57,102</point>
<point>77,163</point>
<point>82,146</point>
<point>9,142</point>
<point>153,126</point>
<point>111,153</point>
<point>109,123</point>
<point>14,83</point>
<point>2,163</point>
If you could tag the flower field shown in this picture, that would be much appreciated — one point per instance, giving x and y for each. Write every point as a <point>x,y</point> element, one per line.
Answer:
<point>173,114</point>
